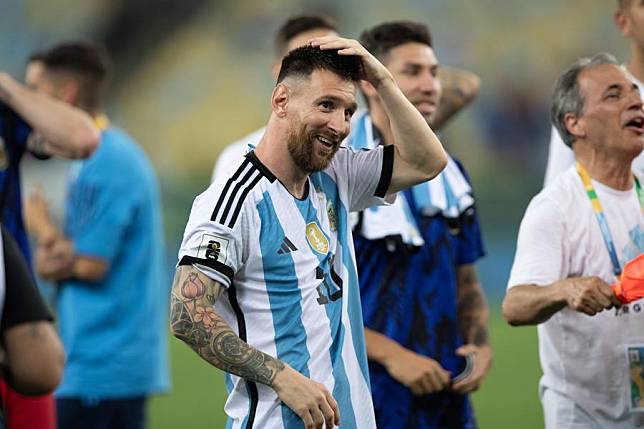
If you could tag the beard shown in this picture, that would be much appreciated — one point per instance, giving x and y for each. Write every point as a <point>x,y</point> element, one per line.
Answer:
<point>301,145</point>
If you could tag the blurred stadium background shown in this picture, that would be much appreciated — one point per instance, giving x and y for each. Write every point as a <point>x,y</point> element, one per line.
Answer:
<point>194,75</point>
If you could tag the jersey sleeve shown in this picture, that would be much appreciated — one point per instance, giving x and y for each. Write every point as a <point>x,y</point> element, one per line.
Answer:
<point>470,244</point>
<point>366,174</point>
<point>23,303</point>
<point>541,247</point>
<point>212,247</point>
<point>560,157</point>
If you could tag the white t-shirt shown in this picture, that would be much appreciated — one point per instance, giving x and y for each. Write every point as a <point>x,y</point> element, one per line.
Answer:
<point>560,156</point>
<point>582,357</point>
<point>289,269</point>
<point>234,152</point>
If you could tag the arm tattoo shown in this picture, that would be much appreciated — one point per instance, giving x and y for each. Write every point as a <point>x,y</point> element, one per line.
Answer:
<point>458,91</point>
<point>194,321</point>
<point>472,308</point>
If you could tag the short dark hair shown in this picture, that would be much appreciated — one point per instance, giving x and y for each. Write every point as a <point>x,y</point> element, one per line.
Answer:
<point>382,38</point>
<point>88,62</point>
<point>300,24</point>
<point>567,96</point>
<point>305,60</point>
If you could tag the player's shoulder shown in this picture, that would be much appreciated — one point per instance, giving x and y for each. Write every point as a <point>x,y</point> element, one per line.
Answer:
<point>232,194</point>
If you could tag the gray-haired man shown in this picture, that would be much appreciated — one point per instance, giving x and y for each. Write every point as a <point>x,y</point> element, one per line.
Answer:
<point>564,262</point>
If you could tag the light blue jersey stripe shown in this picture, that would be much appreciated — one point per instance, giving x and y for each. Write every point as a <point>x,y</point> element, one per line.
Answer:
<point>358,137</point>
<point>229,387</point>
<point>284,297</point>
<point>422,195</point>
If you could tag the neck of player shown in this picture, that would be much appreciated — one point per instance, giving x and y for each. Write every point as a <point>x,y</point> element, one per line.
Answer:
<point>609,169</point>
<point>273,153</point>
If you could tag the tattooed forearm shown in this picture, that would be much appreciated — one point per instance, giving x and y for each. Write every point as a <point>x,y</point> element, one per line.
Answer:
<point>194,322</point>
<point>459,88</point>
<point>472,308</point>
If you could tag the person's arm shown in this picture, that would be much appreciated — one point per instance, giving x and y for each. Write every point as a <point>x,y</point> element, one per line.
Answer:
<point>532,304</point>
<point>34,354</point>
<point>55,258</point>
<point>473,322</point>
<point>422,375</point>
<point>195,322</point>
<point>66,131</point>
<point>34,358</point>
<point>460,87</point>
<point>419,155</point>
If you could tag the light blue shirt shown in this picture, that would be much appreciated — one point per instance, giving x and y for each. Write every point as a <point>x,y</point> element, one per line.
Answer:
<point>114,331</point>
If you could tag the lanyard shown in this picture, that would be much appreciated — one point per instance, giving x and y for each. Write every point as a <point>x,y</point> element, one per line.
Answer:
<point>101,122</point>
<point>601,218</point>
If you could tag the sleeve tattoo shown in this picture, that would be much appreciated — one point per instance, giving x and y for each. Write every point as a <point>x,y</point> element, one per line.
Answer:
<point>194,321</point>
<point>459,88</point>
<point>472,307</point>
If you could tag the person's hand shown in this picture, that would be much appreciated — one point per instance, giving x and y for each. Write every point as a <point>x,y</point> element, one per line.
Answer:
<point>37,219</point>
<point>310,400</point>
<point>374,71</point>
<point>56,260</point>
<point>420,374</point>
<point>589,295</point>
<point>481,362</point>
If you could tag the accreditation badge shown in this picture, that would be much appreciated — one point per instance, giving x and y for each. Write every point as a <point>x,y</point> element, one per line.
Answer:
<point>635,358</point>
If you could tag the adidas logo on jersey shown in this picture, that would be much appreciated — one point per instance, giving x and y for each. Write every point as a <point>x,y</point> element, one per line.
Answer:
<point>286,247</point>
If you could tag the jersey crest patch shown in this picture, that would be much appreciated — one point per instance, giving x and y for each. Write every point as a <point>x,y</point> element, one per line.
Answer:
<point>333,219</point>
<point>316,238</point>
<point>213,247</point>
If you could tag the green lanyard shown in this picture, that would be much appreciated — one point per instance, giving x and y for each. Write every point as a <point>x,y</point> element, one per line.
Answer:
<point>601,218</point>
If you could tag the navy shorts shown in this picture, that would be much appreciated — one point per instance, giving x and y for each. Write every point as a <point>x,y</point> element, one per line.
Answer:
<point>77,413</point>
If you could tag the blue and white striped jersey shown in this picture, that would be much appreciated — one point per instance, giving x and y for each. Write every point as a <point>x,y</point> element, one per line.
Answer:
<point>290,272</point>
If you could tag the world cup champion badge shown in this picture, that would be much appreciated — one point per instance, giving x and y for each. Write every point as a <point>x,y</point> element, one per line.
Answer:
<point>316,238</point>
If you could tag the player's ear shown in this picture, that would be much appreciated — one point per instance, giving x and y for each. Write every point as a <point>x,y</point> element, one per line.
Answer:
<point>279,99</point>
<point>575,125</point>
<point>621,21</point>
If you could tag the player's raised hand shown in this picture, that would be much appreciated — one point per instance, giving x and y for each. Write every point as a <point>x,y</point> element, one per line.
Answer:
<point>375,71</point>
<point>421,374</point>
<point>310,400</point>
<point>589,295</point>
